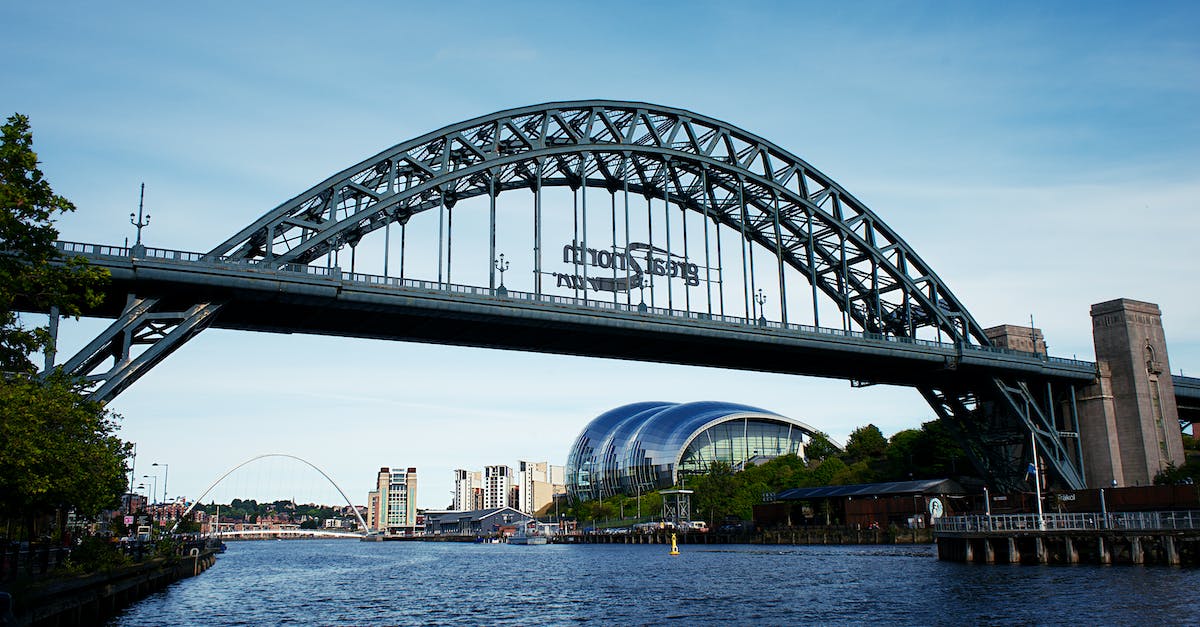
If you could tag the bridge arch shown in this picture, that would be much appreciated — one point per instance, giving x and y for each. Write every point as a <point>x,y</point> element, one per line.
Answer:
<point>200,499</point>
<point>734,178</point>
<point>773,202</point>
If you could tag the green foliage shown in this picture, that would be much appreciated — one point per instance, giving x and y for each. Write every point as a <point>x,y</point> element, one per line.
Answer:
<point>721,493</point>
<point>858,472</point>
<point>1188,473</point>
<point>96,554</point>
<point>251,510</point>
<point>925,453</point>
<point>28,279</point>
<point>57,450</point>
<point>825,471</point>
<point>928,453</point>
<point>865,444</point>
<point>819,447</point>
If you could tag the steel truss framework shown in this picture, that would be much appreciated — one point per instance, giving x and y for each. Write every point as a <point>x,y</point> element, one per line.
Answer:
<point>739,181</point>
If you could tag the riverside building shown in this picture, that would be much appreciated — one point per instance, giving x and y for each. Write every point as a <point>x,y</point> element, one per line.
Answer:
<point>468,490</point>
<point>392,505</point>
<point>648,446</point>
<point>497,486</point>
<point>537,484</point>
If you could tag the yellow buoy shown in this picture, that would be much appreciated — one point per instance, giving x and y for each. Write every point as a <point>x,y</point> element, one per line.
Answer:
<point>674,547</point>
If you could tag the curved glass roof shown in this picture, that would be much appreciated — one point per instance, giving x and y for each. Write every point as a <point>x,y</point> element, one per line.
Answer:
<point>644,446</point>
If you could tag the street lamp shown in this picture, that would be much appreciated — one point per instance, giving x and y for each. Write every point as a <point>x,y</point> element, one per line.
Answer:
<point>761,299</point>
<point>154,490</point>
<point>140,223</point>
<point>502,266</point>
<point>166,475</point>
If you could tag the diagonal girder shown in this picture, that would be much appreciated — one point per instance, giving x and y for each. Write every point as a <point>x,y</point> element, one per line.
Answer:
<point>144,322</point>
<point>994,421</point>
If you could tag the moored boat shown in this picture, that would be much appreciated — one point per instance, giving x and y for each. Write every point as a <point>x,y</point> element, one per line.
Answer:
<point>523,536</point>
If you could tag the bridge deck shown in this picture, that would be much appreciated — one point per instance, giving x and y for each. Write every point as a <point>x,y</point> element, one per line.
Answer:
<point>306,299</point>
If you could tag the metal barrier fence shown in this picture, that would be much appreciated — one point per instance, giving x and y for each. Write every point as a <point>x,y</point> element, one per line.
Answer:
<point>1136,521</point>
<point>164,254</point>
<point>18,559</point>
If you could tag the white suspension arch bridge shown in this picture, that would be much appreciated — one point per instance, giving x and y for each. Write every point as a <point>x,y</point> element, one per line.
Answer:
<point>263,532</point>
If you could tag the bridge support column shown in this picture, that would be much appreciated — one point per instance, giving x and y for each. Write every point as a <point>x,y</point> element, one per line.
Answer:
<point>1014,555</point>
<point>989,551</point>
<point>1103,551</point>
<point>1070,553</point>
<point>1128,423</point>
<point>1136,554</point>
<point>1039,550</point>
<point>1171,550</point>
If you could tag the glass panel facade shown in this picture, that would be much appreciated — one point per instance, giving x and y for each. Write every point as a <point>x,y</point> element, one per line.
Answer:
<point>647,446</point>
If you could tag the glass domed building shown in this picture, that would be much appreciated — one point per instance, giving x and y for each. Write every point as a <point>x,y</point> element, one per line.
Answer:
<point>648,446</point>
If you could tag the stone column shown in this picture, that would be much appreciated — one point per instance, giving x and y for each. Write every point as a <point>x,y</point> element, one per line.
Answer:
<point>1144,420</point>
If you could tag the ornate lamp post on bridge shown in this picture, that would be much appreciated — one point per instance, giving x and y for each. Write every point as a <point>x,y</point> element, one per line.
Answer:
<point>502,266</point>
<point>138,249</point>
<point>761,299</point>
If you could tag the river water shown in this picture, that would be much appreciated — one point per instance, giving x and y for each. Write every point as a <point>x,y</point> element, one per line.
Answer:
<point>345,582</point>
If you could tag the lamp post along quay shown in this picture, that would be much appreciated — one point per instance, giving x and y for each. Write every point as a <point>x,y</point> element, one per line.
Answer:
<point>166,475</point>
<point>154,487</point>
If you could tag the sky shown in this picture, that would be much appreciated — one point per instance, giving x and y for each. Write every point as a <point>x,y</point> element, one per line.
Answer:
<point>1041,157</point>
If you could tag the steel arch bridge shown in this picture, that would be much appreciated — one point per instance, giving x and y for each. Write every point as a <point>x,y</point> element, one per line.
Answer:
<point>200,500</point>
<point>888,317</point>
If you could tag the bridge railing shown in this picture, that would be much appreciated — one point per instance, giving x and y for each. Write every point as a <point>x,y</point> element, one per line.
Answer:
<point>1009,523</point>
<point>166,254</point>
<point>102,250</point>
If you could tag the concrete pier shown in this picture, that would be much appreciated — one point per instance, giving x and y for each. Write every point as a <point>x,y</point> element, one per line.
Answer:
<point>1172,547</point>
<point>1170,537</point>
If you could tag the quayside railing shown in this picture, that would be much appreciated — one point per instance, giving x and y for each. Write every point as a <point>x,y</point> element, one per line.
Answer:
<point>1098,521</point>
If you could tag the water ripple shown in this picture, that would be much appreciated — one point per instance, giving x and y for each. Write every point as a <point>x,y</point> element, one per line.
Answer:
<point>339,582</point>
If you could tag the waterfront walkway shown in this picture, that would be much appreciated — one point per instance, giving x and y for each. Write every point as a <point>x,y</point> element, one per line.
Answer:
<point>1171,538</point>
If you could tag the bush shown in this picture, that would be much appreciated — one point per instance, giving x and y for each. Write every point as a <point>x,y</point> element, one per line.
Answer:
<point>95,554</point>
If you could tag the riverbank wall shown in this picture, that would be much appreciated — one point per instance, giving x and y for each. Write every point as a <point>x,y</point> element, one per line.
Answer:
<point>89,599</point>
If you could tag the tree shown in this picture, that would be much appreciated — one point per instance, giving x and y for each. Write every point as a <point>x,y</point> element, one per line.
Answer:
<point>58,450</point>
<point>820,447</point>
<point>29,279</point>
<point>865,444</point>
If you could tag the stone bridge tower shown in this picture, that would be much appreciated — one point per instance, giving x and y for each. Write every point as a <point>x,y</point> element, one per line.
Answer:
<point>1128,420</point>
